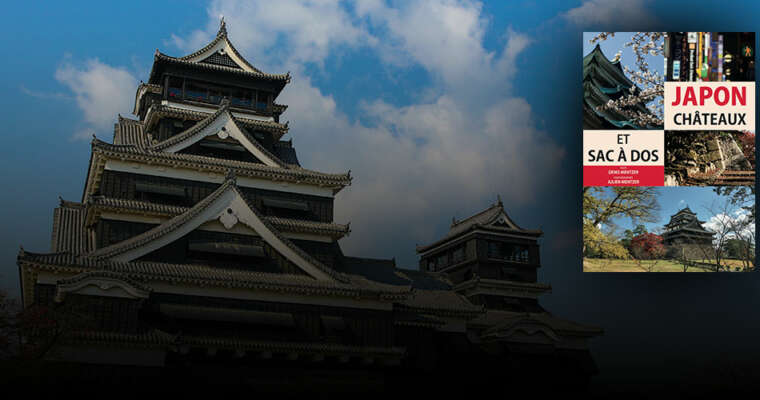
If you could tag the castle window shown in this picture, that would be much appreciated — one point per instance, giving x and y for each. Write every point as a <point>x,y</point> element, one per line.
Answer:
<point>175,87</point>
<point>262,100</point>
<point>241,98</point>
<point>287,204</point>
<point>287,208</point>
<point>216,95</point>
<point>157,193</point>
<point>508,252</point>
<point>443,260</point>
<point>494,250</point>
<point>196,92</point>
<point>457,255</point>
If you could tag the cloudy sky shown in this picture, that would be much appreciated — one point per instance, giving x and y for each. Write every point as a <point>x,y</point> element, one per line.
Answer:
<point>436,106</point>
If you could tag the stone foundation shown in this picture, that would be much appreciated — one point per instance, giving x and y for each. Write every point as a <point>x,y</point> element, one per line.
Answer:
<point>689,251</point>
<point>701,156</point>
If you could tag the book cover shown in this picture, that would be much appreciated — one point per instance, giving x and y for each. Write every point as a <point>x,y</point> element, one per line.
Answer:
<point>668,151</point>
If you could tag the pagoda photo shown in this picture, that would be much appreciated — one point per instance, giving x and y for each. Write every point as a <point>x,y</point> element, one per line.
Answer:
<point>604,80</point>
<point>202,251</point>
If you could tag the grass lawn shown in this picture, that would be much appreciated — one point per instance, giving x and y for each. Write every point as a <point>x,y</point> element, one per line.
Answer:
<point>604,265</point>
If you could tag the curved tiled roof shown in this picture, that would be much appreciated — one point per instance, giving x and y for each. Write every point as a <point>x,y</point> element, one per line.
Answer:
<point>442,302</point>
<point>142,89</point>
<point>110,203</point>
<point>202,275</point>
<point>164,228</point>
<point>481,220</point>
<point>505,320</point>
<point>292,174</point>
<point>279,108</point>
<point>180,220</point>
<point>221,35</point>
<point>242,68</point>
<point>285,78</point>
<point>105,274</point>
<point>192,131</point>
<point>158,338</point>
<point>151,338</point>
<point>288,347</point>
<point>159,110</point>
<point>283,224</point>
<point>603,81</point>
<point>69,232</point>
<point>129,131</point>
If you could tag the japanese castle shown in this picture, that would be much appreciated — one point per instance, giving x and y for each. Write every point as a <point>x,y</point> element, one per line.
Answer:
<point>203,251</point>
<point>604,81</point>
<point>686,237</point>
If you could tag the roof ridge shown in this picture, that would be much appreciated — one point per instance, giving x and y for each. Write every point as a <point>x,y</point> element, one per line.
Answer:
<point>103,201</point>
<point>159,108</point>
<point>198,126</point>
<point>179,220</point>
<point>108,274</point>
<point>197,272</point>
<point>291,171</point>
<point>490,208</point>
<point>222,28</point>
<point>162,229</point>
<point>129,120</point>
<point>69,204</point>
<point>257,144</point>
<point>333,273</point>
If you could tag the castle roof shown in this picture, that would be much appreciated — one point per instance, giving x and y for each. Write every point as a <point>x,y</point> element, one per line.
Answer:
<point>147,272</point>
<point>218,55</point>
<point>230,206</point>
<point>493,219</point>
<point>158,111</point>
<point>604,80</point>
<point>102,151</point>
<point>223,124</point>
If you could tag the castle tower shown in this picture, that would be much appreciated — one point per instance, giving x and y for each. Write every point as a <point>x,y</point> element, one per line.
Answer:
<point>604,80</point>
<point>493,262</point>
<point>685,237</point>
<point>199,235</point>
<point>201,248</point>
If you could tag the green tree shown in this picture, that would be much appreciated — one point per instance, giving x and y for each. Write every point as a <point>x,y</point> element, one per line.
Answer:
<point>602,205</point>
<point>598,244</point>
<point>640,230</point>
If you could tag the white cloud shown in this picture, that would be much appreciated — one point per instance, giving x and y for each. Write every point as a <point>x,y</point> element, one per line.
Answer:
<point>624,14</point>
<point>44,95</point>
<point>446,38</point>
<point>414,166</point>
<point>283,33</point>
<point>732,223</point>
<point>84,134</point>
<point>101,92</point>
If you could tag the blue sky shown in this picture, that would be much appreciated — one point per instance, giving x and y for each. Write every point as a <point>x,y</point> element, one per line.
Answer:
<point>436,106</point>
<point>612,45</point>
<point>701,200</point>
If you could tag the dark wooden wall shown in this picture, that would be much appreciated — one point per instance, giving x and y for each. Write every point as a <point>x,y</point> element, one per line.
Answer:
<point>92,312</point>
<point>121,185</point>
